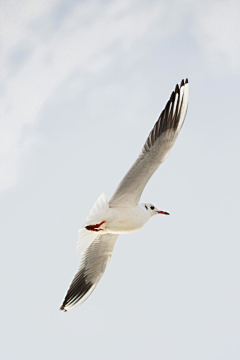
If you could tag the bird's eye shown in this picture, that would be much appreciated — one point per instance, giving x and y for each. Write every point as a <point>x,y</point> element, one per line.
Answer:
<point>152,207</point>
<point>146,207</point>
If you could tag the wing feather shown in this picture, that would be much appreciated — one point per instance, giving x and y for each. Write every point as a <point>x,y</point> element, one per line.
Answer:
<point>155,150</point>
<point>93,264</point>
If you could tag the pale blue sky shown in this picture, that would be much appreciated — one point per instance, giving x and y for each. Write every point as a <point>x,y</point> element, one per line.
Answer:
<point>82,84</point>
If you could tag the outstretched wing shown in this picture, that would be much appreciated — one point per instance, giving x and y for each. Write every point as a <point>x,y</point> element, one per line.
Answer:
<point>93,264</point>
<point>155,150</point>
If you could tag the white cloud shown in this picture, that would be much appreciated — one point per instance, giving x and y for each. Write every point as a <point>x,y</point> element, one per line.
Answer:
<point>42,44</point>
<point>217,31</point>
<point>76,45</point>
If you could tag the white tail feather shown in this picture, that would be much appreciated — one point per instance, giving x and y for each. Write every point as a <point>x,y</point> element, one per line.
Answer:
<point>86,237</point>
<point>100,205</point>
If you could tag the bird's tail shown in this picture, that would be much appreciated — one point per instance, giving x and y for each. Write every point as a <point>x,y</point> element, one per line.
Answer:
<point>86,237</point>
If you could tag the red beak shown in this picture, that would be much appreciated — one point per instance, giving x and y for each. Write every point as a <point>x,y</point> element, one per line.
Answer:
<point>163,212</point>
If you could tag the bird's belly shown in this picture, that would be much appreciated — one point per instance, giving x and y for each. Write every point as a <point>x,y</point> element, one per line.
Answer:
<point>124,223</point>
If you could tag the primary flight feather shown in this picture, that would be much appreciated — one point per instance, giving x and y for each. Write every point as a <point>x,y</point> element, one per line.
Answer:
<point>123,213</point>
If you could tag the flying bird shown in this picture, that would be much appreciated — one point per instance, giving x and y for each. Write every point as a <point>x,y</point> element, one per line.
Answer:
<point>123,213</point>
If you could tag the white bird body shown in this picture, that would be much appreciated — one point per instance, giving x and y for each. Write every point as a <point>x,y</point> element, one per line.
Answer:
<point>122,220</point>
<point>126,220</point>
<point>103,219</point>
<point>123,213</point>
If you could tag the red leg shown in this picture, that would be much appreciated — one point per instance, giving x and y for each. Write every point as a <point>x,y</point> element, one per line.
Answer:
<point>94,227</point>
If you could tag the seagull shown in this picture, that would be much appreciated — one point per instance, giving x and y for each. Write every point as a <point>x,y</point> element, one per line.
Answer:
<point>123,214</point>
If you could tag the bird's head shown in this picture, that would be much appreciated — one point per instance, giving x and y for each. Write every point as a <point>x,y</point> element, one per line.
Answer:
<point>152,210</point>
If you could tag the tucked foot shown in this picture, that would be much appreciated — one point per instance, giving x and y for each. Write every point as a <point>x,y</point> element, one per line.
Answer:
<point>94,227</point>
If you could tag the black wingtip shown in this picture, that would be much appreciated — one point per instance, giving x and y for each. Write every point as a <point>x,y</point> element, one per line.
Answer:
<point>184,82</point>
<point>170,116</point>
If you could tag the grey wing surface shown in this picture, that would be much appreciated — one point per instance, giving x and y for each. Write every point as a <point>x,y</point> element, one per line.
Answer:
<point>155,150</point>
<point>93,264</point>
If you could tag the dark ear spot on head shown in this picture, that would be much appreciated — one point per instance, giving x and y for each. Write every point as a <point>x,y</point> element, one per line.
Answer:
<point>146,207</point>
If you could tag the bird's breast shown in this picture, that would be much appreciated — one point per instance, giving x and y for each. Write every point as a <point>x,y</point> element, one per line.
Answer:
<point>125,220</point>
